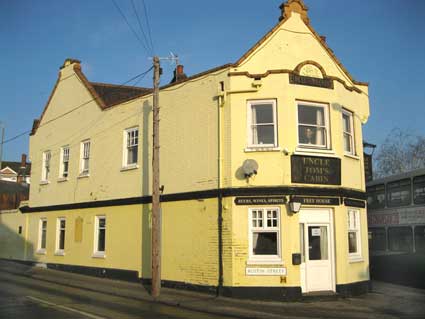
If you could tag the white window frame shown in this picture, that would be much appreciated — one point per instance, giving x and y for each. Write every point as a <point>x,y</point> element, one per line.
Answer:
<point>85,155</point>
<point>126,145</point>
<point>325,107</point>
<point>46,166</point>
<point>96,252</point>
<point>40,249</point>
<point>353,225</point>
<point>58,250</point>
<point>64,158</point>
<point>264,259</point>
<point>250,144</point>
<point>350,134</point>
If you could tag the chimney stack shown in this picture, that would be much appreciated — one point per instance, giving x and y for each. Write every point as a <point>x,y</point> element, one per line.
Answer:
<point>24,161</point>
<point>179,74</point>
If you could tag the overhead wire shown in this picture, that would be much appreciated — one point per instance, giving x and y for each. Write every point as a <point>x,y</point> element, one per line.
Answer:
<point>143,74</point>
<point>131,28</point>
<point>148,24</point>
<point>141,26</point>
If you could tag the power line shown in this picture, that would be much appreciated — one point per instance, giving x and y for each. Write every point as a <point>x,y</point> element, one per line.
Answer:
<point>76,108</point>
<point>140,25</point>
<point>148,24</point>
<point>131,28</point>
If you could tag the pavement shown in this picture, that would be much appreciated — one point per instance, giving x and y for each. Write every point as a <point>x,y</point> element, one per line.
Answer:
<point>385,300</point>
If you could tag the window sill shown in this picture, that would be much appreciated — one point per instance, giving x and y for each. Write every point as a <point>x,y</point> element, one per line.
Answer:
<point>83,175</point>
<point>41,252</point>
<point>355,259</point>
<point>99,255</point>
<point>314,152</point>
<point>62,179</point>
<point>129,167</point>
<point>252,149</point>
<point>268,262</point>
<point>59,253</point>
<point>44,182</point>
<point>352,156</point>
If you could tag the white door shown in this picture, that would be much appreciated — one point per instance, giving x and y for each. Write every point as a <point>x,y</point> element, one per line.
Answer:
<point>317,267</point>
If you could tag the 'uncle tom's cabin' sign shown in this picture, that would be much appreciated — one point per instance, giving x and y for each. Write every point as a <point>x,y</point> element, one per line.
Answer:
<point>315,170</point>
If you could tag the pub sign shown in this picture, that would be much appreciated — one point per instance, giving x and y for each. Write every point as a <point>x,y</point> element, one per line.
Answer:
<point>315,170</point>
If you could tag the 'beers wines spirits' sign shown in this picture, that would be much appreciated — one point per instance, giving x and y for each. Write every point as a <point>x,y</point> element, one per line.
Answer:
<point>315,170</point>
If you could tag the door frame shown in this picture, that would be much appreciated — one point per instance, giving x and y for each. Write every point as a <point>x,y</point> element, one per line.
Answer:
<point>316,216</point>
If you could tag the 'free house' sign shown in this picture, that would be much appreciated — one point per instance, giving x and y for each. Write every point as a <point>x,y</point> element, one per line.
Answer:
<point>315,170</point>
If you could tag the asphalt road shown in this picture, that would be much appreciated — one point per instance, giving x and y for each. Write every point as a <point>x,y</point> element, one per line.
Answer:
<point>27,298</point>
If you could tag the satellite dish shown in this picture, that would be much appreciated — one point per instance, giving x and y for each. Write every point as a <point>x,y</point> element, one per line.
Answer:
<point>250,167</point>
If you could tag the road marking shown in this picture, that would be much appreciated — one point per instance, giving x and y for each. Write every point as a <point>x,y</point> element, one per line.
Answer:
<point>65,308</point>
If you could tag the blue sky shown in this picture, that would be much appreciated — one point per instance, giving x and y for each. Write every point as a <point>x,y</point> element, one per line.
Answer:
<point>379,41</point>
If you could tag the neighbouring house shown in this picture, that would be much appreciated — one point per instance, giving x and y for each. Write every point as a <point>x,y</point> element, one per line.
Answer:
<point>19,172</point>
<point>261,165</point>
<point>12,194</point>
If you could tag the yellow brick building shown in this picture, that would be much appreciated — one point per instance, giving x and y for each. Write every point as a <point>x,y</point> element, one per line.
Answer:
<point>261,162</point>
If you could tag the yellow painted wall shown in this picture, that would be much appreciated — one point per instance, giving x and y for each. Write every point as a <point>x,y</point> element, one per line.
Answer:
<point>104,128</point>
<point>185,109</point>
<point>274,166</point>
<point>345,271</point>
<point>285,50</point>
<point>123,237</point>
<point>12,244</point>
<point>190,242</point>
<point>289,242</point>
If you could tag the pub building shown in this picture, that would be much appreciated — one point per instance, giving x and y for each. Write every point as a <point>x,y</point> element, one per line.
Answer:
<point>261,162</point>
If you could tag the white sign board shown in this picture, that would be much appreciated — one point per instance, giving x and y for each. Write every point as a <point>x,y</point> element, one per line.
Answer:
<point>315,232</point>
<point>266,271</point>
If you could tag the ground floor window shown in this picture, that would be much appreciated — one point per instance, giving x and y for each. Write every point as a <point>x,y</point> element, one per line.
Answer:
<point>400,239</point>
<point>264,234</point>
<point>42,235</point>
<point>100,236</point>
<point>354,235</point>
<point>60,235</point>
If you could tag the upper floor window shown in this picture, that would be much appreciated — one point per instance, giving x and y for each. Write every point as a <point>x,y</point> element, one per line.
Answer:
<point>46,166</point>
<point>313,125</point>
<point>419,189</point>
<point>64,165</point>
<point>348,132</point>
<point>131,137</point>
<point>398,193</point>
<point>262,123</point>
<point>85,157</point>
<point>264,234</point>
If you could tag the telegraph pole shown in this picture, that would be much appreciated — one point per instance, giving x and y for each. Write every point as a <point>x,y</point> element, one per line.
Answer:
<point>2,142</point>
<point>156,209</point>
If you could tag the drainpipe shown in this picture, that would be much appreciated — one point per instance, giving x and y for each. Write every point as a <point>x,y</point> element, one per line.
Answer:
<point>221,102</point>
